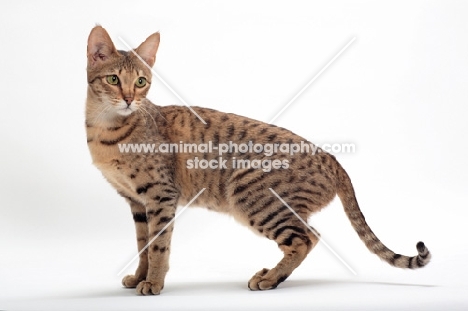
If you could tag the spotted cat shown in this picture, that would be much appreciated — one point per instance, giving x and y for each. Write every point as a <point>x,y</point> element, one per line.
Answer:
<point>270,193</point>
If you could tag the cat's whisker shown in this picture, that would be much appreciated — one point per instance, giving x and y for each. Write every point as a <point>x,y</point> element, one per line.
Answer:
<point>155,108</point>
<point>146,111</point>
<point>140,113</point>
<point>103,113</point>
<point>143,113</point>
<point>143,116</point>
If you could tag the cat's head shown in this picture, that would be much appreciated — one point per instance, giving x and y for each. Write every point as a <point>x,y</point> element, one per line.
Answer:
<point>118,80</point>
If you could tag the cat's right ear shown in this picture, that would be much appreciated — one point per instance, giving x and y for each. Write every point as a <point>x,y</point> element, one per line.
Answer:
<point>100,46</point>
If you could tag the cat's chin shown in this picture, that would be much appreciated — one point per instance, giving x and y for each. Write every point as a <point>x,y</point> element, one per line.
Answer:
<point>124,112</point>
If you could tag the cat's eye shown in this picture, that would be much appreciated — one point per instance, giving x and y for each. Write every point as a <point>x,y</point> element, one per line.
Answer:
<point>140,82</point>
<point>113,79</point>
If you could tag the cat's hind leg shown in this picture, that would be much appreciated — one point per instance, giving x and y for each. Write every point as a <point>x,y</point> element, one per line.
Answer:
<point>295,244</point>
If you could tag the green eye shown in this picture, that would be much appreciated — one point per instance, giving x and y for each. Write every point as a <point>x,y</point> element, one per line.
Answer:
<point>140,82</point>
<point>113,79</point>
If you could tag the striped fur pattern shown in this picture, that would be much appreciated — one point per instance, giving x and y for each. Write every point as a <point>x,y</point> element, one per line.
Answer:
<point>154,184</point>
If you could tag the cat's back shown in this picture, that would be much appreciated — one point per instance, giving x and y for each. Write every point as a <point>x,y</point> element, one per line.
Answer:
<point>199,124</point>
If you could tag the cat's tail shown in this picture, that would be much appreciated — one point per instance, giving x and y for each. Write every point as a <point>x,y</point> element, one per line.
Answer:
<point>347,196</point>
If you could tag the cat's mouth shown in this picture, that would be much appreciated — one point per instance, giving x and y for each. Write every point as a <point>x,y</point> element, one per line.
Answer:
<point>124,109</point>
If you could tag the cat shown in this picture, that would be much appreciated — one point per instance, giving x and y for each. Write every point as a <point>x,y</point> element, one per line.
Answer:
<point>155,183</point>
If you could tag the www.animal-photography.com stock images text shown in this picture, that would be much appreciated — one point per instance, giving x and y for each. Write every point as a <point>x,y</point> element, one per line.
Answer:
<point>234,155</point>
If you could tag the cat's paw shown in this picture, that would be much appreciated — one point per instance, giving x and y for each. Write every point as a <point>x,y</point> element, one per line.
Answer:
<point>148,288</point>
<point>131,281</point>
<point>262,280</point>
<point>258,282</point>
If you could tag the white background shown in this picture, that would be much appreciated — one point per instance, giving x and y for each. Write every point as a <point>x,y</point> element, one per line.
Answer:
<point>398,92</point>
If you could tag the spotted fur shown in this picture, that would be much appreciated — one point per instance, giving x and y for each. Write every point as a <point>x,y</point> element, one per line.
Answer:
<point>154,184</point>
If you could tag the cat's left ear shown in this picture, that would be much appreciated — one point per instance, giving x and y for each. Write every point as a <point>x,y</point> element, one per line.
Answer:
<point>147,50</point>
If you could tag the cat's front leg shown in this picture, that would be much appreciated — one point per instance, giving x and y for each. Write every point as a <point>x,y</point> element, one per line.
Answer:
<point>159,214</point>
<point>141,226</point>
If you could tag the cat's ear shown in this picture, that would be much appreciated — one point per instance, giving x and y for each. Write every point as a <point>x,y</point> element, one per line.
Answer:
<point>100,46</point>
<point>147,50</point>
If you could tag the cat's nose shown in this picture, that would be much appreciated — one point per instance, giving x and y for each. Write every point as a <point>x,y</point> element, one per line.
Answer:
<point>128,100</point>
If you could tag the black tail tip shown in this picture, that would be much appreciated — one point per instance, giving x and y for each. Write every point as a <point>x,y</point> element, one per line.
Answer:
<point>424,256</point>
<point>421,247</point>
